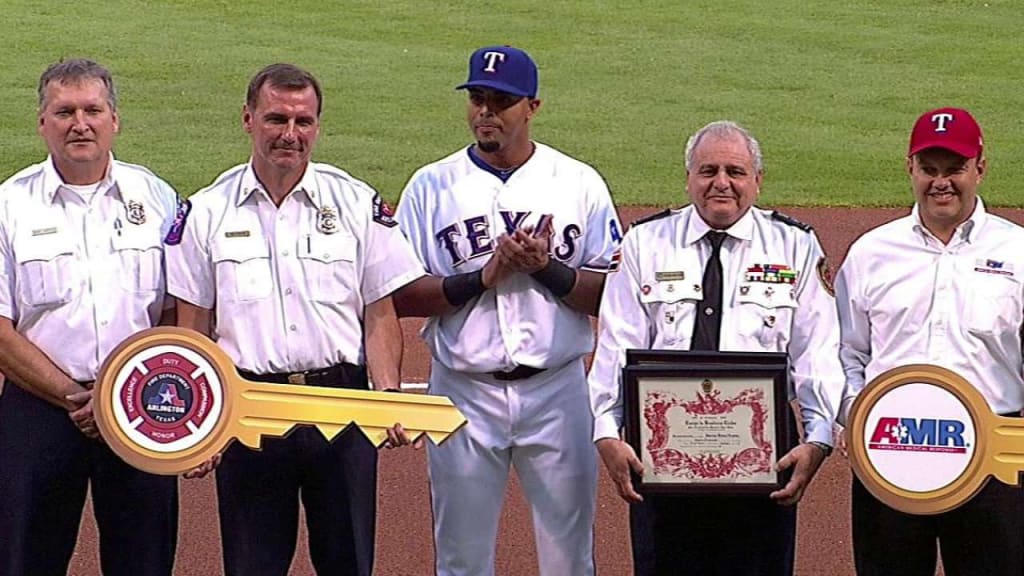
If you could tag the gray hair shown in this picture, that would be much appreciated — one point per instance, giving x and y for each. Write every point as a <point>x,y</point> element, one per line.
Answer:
<point>724,129</point>
<point>76,71</point>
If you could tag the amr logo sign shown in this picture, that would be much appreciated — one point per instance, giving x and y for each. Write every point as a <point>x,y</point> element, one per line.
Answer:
<point>918,435</point>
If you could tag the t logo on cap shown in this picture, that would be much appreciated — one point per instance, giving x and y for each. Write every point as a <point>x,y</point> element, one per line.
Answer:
<point>940,120</point>
<point>493,58</point>
<point>502,68</point>
<point>952,129</point>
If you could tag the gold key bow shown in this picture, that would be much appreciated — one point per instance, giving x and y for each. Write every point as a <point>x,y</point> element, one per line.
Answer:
<point>169,399</point>
<point>923,440</point>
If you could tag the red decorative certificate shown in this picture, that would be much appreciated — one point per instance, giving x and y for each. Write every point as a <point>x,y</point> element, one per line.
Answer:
<point>706,421</point>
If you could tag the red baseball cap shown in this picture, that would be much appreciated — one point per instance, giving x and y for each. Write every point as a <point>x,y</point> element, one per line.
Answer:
<point>953,129</point>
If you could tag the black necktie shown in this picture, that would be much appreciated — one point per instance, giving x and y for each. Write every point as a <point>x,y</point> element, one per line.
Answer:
<point>708,322</point>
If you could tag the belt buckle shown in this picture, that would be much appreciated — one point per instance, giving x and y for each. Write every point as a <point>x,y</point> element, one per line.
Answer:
<point>297,378</point>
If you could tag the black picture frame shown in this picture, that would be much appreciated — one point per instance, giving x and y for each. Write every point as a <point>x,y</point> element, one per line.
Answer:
<point>762,375</point>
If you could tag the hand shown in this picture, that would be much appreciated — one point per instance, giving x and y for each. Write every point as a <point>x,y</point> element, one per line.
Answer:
<point>805,460</point>
<point>203,469</point>
<point>839,440</point>
<point>619,459</point>
<point>524,252</point>
<point>397,437</point>
<point>82,414</point>
<point>496,269</point>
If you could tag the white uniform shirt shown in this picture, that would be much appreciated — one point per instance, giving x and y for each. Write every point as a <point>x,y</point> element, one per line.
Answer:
<point>289,284</point>
<point>905,297</point>
<point>649,303</point>
<point>452,211</point>
<point>77,278</point>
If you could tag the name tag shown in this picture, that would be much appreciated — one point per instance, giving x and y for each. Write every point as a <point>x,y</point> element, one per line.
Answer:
<point>237,234</point>
<point>44,231</point>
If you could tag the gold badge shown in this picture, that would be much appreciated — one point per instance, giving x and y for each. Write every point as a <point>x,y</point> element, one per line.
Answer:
<point>327,220</point>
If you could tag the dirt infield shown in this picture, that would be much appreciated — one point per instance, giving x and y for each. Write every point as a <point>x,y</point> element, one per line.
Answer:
<point>404,546</point>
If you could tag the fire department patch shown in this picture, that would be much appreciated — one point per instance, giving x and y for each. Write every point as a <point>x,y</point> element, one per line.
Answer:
<point>825,275</point>
<point>382,213</point>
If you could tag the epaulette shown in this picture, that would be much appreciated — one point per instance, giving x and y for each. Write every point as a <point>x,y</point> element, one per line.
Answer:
<point>651,218</point>
<point>776,215</point>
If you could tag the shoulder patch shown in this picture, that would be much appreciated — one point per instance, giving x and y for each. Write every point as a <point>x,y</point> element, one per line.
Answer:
<point>178,226</point>
<point>652,217</point>
<point>825,276</point>
<point>776,215</point>
<point>382,213</point>
<point>616,259</point>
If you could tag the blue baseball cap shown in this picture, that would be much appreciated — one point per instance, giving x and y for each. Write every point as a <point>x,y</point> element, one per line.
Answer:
<point>502,68</point>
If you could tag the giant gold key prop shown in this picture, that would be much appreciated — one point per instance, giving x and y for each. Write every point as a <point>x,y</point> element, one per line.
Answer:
<point>923,440</point>
<point>168,399</point>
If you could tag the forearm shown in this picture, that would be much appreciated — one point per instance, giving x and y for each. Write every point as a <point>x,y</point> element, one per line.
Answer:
<point>585,296</point>
<point>194,317</point>
<point>422,298</point>
<point>384,344</point>
<point>27,365</point>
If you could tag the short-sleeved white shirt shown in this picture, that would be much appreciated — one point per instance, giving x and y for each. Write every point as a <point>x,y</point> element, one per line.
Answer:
<point>289,284</point>
<point>453,210</point>
<point>77,278</point>
<point>906,298</point>
<point>773,300</point>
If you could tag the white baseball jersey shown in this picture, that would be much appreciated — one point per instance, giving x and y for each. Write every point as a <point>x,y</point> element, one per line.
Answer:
<point>77,277</point>
<point>905,297</point>
<point>773,300</point>
<point>453,210</point>
<point>289,284</point>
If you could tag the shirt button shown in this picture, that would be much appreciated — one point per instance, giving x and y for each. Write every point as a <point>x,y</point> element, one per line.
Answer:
<point>287,291</point>
<point>285,253</point>
<point>281,217</point>
<point>709,311</point>
<point>103,323</point>
<point>292,328</point>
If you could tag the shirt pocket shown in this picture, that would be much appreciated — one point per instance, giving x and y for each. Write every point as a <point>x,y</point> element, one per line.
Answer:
<point>994,306</point>
<point>48,273</point>
<point>669,306</point>
<point>141,263</point>
<point>766,312</point>
<point>243,268</point>
<point>328,262</point>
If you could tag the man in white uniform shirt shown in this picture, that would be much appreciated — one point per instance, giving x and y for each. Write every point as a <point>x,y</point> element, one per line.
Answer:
<point>941,286</point>
<point>659,298</point>
<point>294,262</point>
<point>81,269</point>
<point>508,299</point>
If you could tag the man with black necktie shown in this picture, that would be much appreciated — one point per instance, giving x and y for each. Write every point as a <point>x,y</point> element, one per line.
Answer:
<point>719,274</point>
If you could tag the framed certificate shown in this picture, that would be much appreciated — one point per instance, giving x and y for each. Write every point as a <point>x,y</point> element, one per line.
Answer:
<point>707,422</point>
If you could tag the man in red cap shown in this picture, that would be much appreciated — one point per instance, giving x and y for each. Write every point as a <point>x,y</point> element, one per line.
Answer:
<point>942,286</point>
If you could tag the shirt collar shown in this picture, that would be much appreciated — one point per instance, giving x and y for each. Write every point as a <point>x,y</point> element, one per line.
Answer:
<point>696,228</point>
<point>52,180</point>
<point>966,231</point>
<point>250,184</point>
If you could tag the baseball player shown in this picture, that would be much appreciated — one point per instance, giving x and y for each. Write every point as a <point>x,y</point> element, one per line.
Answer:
<point>941,286</point>
<point>81,269</point>
<point>295,261</point>
<point>508,299</point>
<point>665,294</point>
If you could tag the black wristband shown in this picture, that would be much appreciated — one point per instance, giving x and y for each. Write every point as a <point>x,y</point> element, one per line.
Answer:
<point>557,277</point>
<point>461,288</point>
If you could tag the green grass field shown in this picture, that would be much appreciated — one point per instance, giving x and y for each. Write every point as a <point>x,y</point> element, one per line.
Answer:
<point>831,88</point>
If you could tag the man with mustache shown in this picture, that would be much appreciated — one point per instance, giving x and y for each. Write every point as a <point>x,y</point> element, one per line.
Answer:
<point>693,279</point>
<point>516,236</point>
<point>943,286</point>
<point>81,269</point>
<point>293,262</point>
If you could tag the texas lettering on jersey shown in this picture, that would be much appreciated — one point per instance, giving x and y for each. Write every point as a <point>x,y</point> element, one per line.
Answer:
<point>478,234</point>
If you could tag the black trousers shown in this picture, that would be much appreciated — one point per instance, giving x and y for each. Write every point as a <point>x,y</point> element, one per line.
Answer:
<point>258,494</point>
<point>46,466</point>
<point>984,537</point>
<point>714,535</point>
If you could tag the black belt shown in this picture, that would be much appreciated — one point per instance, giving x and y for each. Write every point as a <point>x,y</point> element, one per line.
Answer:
<point>340,376</point>
<point>520,372</point>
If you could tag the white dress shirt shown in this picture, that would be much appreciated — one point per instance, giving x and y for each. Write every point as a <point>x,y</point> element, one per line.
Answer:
<point>650,303</point>
<point>79,276</point>
<point>289,284</point>
<point>905,298</point>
